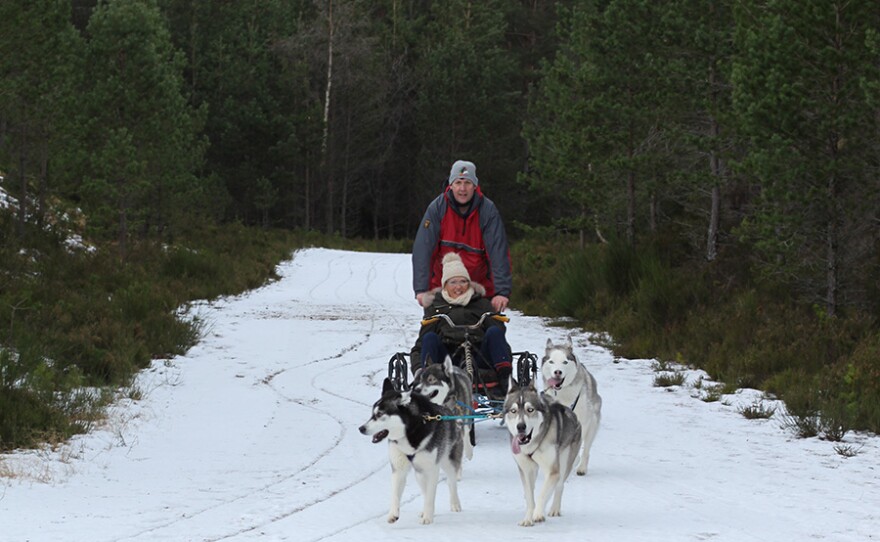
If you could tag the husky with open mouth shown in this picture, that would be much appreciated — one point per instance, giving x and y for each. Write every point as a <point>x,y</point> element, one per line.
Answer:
<point>568,382</point>
<point>417,438</point>
<point>544,435</point>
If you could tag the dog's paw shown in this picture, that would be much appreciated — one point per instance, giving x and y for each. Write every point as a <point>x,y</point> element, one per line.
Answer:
<point>393,518</point>
<point>527,522</point>
<point>582,466</point>
<point>554,513</point>
<point>538,517</point>
<point>426,519</point>
<point>455,507</point>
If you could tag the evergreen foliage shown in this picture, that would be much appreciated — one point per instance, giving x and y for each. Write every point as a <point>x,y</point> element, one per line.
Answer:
<point>717,161</point>
<point>812,138</point>
<point>144,139</point>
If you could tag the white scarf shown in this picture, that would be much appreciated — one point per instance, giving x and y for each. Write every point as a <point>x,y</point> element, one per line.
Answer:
<point>462,300</point>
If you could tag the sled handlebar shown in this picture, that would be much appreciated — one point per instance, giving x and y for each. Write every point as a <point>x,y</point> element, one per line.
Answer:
<point>494,315</point>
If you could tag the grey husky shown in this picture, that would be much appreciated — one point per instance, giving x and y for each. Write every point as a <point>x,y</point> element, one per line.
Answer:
<point>568,382</point>
<point>546,435</point>
<point>416,438</point>
<point>448,385</point>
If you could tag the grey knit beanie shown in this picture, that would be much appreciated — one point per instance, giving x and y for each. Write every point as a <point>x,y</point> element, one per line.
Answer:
<point>462,169</point>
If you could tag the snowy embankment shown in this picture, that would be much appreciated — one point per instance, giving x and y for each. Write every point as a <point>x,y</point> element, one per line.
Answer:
<point>253,435</point>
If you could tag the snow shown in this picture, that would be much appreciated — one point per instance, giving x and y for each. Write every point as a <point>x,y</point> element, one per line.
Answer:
<point>253,436</point>
<point>73,241</point>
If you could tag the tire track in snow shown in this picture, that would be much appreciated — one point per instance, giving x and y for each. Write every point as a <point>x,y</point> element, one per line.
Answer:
<point>371,276</point>
<point>254,492</point>
<point>315,384</point>
<point>335,492</point>
<point>245,497</point>
<point>254,495</point>
<point>262,522</point>
<point>325,278</point>
<point>341,283</point>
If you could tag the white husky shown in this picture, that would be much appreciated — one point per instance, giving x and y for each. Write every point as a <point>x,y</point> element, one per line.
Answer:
<point>568,382</point>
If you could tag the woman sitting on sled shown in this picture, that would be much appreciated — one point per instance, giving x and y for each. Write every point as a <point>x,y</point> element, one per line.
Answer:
<point>465,303</point>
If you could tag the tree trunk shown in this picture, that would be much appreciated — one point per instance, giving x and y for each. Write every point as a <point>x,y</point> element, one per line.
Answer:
<point>22,178</point>
<point>343,226</point>
<point>631,206</point>
<point>715,210</point>
<point>325,147</point>
<point>630,188</point>
<point>715,172</point>
<point>376,220</point>
<point>582,234</point>
<point>123,219</point>
<point>831,242</point>
<point>43,186</point>
<point>715,205</point>
<point>308,198</point>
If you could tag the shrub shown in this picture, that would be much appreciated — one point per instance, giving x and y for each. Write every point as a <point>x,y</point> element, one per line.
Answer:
<point>25,418</point>
<point>757,410</point>
<point>847,450</point>
<point>668,379</point>
<point>181,263</point>
<point>855,381</point>
<point>538,271</point>
<point>78,321</point>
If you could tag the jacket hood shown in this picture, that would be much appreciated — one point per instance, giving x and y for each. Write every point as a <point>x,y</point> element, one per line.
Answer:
<point>431,295</point>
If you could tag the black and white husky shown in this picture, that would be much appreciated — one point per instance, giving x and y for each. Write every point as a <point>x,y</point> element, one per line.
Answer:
<point>449,385</point>
<point>568,382</point>
<point>544,435</point>
<point>418,439</point>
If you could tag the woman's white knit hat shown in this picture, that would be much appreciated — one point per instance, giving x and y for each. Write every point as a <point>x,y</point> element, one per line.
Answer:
<point>453,267</point>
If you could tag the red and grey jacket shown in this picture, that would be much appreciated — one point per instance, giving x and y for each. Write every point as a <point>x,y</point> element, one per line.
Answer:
<point>477,235</point>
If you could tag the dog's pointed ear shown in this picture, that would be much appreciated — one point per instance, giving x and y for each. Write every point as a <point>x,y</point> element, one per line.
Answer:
<point>387,386</point>
<point>447,365</point>
<point>512,384</point>
<point>568,343</point>
<point>428,360</point>
<point>549,344</point>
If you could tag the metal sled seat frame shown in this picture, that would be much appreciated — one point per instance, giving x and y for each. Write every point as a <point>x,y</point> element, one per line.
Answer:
<point>525,364</point>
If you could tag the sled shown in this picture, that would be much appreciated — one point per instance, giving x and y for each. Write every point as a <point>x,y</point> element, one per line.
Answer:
<point>488,391</point>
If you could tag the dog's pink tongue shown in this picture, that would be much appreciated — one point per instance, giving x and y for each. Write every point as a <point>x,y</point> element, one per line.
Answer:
<point>553,382</point>
<point>514,444</point>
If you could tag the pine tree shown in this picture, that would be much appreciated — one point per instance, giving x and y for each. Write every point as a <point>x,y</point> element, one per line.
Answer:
<point>467,99</point>
<point>565,142</point>
<point>39,64</point>
<point>800,79</point>
<point>601,119</point>
<point>698,73</point>
<point>142,134</point>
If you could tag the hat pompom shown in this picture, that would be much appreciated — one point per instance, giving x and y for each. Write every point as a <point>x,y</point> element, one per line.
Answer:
<point>451,257</point>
